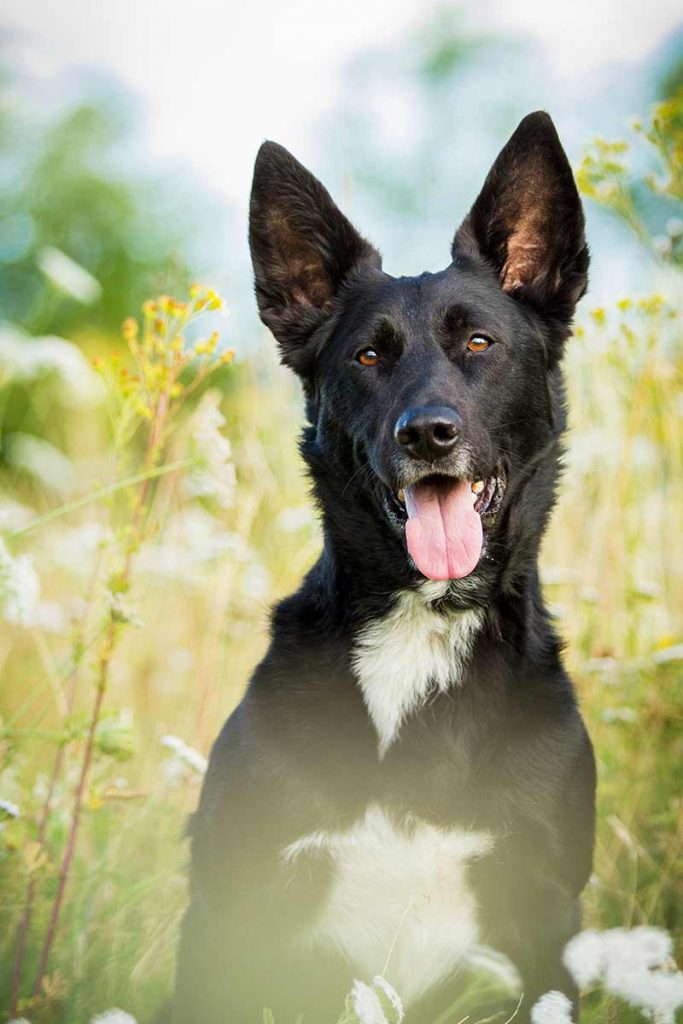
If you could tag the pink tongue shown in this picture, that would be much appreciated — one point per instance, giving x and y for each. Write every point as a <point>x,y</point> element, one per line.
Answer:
<point>443,531</point>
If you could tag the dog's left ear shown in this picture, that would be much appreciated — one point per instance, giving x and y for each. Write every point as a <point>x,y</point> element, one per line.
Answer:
<point>528,223</point>
<point>303,249</point>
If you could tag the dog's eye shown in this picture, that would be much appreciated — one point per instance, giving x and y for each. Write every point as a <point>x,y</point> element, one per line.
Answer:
<point>479,343</point>
<point>368,357</point>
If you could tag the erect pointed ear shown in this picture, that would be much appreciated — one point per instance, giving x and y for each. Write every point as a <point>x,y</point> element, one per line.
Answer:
<point>302,249</point>
<point>528,223</point>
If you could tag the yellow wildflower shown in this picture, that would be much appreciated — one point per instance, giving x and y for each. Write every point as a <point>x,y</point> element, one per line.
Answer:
<point>130,329</point>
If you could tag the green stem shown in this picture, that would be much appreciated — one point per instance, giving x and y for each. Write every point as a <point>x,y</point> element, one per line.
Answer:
<point>103,492</point>
<point>43,734</point>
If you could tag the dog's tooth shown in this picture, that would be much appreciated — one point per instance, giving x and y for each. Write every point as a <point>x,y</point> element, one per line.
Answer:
<point>478,486</point>
<point>401,495</point>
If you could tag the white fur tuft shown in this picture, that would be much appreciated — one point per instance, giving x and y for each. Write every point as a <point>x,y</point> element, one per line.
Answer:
<point>399,904</point>
<point>414,649</point>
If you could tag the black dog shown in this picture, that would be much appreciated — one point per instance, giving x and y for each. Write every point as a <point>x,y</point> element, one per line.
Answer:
<point>407,775</point>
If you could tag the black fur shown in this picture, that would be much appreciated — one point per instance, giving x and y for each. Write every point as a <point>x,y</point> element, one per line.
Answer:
<point>505,750</point>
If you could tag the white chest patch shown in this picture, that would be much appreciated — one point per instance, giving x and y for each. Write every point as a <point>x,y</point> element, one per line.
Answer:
<point>399,903</point>
<point>413,650</point>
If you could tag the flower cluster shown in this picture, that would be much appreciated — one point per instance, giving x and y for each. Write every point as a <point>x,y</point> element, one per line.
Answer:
<point>113,1016</point>
<point>184,757</point>
<point>8,809</point>
<point>26,359</point>
<point>161,352</point>
<point>19,587</point>
<point>605,176</point>
<point>634,965</point>
<point>552,1008</point>
<point>213,475</point>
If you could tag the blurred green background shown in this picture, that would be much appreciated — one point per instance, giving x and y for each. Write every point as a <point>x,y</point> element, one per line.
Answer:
<point>126,141</point>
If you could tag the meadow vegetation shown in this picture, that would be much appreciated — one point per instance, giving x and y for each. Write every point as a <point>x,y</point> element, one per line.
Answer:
<point>155,509</point>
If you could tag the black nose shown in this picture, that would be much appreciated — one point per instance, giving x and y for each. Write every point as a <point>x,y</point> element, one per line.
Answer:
<point>429,432</point>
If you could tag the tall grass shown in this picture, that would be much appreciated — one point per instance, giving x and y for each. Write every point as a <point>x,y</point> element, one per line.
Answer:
<point>183,619</point>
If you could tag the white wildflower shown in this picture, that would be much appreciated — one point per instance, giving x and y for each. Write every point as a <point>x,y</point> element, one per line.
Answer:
<point>50,617</point>
<point>257,582</point>
<point>366,1004</point>
<point>648,589</point>
<point>619,715</point>
<point>184,756</point>
<point>652,947</point>
<point>192,540</point>
<point>28,358</point>
<point>391,995</point>
<point>674,227</point>
<point>609,666</point>
<point>214,476</point>
<point>173,743</point>
<point>9,808</point>
<point>121,610</point>
<point>13,514</point>
<point>656,992</point>
<point>629,964</point>
<point>68,275</point>
<point>42,460</point>
<point>557,575</point>
<point>74,548</point>
<point>630,959</point>
<point>19,587</point>
<point>552,1008</point>
<point>19,1020</point>
<point>666,655</point>
<point>113,1016</point>
<point>295,518</point>
<point>591,954</point>
<point>662,244</point>
<point>584,957</point>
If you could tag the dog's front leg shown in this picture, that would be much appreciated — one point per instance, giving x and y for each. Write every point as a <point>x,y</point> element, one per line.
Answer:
<point>239,948</point>
<point>540,965</point>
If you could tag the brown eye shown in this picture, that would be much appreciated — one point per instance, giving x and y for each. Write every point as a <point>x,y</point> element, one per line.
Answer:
<point>368,357</point>
<point>478,343</point>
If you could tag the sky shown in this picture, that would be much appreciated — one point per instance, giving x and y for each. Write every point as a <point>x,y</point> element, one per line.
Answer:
<point>216,78</point>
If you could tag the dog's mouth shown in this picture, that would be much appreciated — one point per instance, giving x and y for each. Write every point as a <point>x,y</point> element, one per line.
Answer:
<point>444,519</point>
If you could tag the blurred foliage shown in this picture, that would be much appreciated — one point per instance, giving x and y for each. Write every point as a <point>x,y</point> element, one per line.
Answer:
<point>445,46</point>
<point>85,235</point>
<point>650,203</point>
<point>69,190</point>
<point>396,142</point>
<point>671,80</point>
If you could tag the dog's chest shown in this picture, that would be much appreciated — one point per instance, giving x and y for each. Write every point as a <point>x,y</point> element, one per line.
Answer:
<point>399,902</point>
<point>411,652</point>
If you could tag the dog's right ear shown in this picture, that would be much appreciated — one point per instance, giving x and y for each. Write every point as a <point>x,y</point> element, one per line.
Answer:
<point>302,248</point>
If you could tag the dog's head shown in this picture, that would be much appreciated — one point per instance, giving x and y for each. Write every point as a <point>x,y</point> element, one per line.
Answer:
<point>435,402</point>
